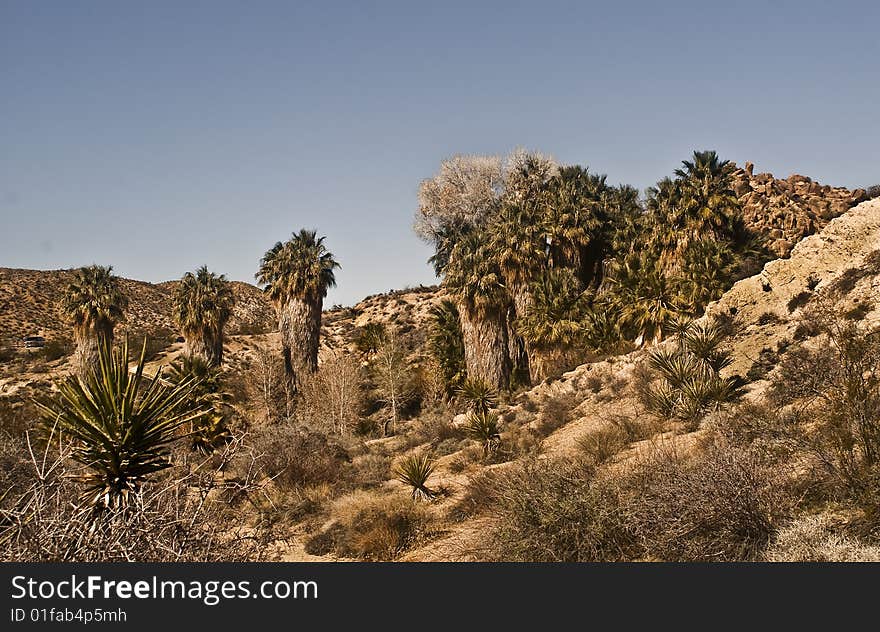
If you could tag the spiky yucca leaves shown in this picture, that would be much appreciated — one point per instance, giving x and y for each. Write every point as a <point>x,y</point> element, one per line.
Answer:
<point>446,345</point>
<point>203,303</point>
<point>94,303</point>
<point>484,428</point>
<point>478,396</point>
<point>121,428</point>
<point>415,470</point>
<point>211,432</point>
<point>690,382</point>
<point>296,275</point>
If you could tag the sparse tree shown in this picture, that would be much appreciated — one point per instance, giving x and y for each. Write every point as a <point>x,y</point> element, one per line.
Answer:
<point>334,395</point>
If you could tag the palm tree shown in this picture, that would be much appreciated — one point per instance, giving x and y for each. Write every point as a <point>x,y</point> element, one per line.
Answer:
<point>554,323</point>
<point>575,220</point>
<point>203,303</point>
<point>297,274</point>
<point>94,303</point>
<point>474,278</point>
<point>446,345</point>
<point>645,297</point>
<point>518,244</point>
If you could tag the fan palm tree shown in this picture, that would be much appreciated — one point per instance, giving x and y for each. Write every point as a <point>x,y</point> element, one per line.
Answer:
<point>554,323</point>
<point>94,303</point>
<point>203,303</point>
<point>574,221</point>
<point>518,244</point>
<point>296,275</point>
<point>474,278</point>
<point>644,296</point>
<point>446,345</point>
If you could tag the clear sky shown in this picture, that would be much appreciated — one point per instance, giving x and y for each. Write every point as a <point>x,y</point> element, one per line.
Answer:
<point>159,136</point>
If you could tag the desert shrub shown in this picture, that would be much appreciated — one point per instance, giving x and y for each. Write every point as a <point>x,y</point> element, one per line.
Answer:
<point>812,539</point>
<point>186,518</point>
<point>16,473</point>
<point>519,441</point>
<point>294,457</point>
<point>480,494</point>
<point>371,469</point>
<point>857,312</point>
<point>556,411</point>
<point>414,470</point>
<point>432,428</point>
<point>769,318</point>
<point>373,527</point>
<point>333,398</point>
<point>839,383</point>
<point>7,352</point>
<point>721,506</point>
<point>766,362</point>
<point>799,300</point>
<point>601,444</point>
<point>558,512</point>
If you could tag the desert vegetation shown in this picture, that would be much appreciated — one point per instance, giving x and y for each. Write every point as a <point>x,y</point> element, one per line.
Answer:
<point>586,384</point>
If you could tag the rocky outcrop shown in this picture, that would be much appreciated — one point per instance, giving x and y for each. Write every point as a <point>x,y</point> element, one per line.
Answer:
<point>786,211</point>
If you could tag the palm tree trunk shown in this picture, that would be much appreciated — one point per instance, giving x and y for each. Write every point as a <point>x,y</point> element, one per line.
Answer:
<point>207,345</point>
<point>486,345</point>
<point>300,327</point>
<point>521,352</point>
<point>89,340</point>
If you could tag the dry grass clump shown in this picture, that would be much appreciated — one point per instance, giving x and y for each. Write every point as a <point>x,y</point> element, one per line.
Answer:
<point>294,457</point>
<point>721,505</point>
<point>555,412</point>
<point>374,527</point>
<point>602,444</point>
<point>812,539</point>
<point>557,512</point>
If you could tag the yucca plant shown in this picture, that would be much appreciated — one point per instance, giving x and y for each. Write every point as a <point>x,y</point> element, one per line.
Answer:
<point>484,428</point>
<point>478,396</point>
<point>690,374</point>
<point>414,470</point>
<point>121,424</point>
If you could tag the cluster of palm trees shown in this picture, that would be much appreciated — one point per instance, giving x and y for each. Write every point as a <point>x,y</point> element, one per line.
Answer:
<point>296,275</point>
<point>541,257</point>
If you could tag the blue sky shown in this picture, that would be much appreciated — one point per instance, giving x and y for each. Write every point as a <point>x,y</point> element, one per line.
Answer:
<point>160,136</point>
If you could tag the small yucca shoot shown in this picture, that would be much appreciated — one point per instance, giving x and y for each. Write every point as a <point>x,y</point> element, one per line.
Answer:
<point>414,471</point>
<point>478,395</point>
<point>483,427</point>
